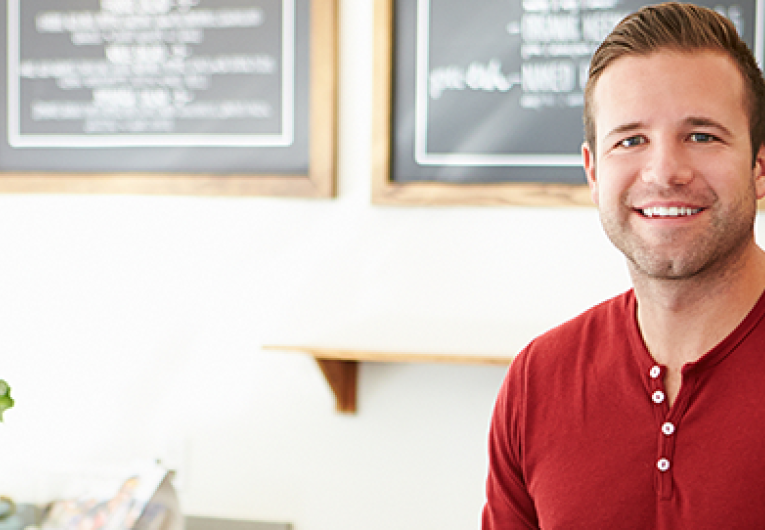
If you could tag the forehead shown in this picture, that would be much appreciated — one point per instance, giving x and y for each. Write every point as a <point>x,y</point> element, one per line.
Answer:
<point>669,84</point>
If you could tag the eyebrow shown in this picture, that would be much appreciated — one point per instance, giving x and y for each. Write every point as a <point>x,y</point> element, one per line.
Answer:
<point>626,127</point>
<point>700,121</point>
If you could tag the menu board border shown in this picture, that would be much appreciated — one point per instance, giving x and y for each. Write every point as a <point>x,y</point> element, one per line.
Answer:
<point>319,181</point>
<point>385,191</point>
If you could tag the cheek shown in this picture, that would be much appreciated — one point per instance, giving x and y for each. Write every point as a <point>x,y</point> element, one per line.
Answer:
<point>731,180</point>
<point>614,178</point>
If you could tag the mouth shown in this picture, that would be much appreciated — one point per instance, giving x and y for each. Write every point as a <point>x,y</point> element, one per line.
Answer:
<point>669,212</point>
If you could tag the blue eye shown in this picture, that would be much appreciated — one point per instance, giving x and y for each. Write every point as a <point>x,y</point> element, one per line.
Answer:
<point>632,141</point>
<point>702,137</point>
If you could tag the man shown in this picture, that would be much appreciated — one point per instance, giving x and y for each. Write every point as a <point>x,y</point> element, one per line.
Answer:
<point>648,411</point>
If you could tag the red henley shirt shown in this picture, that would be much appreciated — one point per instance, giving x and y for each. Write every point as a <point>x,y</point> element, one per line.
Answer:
<point>582,435</point>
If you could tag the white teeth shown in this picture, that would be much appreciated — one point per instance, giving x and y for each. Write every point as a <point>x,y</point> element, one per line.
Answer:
<point>669,211</point>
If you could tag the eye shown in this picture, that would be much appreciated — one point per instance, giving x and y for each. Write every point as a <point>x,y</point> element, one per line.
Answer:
<point>702,138</point>
<point>632,141</point>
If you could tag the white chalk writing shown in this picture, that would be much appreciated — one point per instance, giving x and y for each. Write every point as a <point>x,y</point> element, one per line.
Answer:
<point>150,74</point>
<point>477,76</point>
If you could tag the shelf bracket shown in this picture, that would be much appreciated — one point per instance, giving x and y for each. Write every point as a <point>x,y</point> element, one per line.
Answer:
<point>342,377</point>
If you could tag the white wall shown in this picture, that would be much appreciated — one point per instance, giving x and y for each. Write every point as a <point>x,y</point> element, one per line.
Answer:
<point>132,327</point>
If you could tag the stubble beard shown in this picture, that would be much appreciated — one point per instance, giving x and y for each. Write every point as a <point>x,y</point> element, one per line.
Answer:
<point>713,252</point>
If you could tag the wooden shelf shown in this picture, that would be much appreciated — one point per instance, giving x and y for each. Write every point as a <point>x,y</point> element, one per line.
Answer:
<point>340,367</point>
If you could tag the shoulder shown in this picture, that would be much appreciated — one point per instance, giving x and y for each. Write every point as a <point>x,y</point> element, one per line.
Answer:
<point>554,367</point>
<point>598,329</point>
<point>606,318</point>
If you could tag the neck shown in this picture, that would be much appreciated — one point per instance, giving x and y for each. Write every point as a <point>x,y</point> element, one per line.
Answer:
<point>682,319</point>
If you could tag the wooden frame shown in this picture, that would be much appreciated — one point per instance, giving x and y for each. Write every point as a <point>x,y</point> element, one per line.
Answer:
<point>320,180</point>
<point>386,192</point>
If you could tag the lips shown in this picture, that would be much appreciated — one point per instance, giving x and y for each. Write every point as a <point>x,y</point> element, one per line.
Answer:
<point>669,211</point>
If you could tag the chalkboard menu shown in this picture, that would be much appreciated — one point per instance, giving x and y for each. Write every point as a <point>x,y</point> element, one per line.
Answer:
<point>486,97</point>
<point>236,95</point>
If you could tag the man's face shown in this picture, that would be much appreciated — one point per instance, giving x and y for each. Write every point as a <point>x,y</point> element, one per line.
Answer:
<point>673,178</point>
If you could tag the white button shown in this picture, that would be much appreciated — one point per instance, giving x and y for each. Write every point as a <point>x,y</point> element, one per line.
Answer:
<point>663,465</point>
<point>655,372</point>
<point>668,429</point>
<point>658,397</point>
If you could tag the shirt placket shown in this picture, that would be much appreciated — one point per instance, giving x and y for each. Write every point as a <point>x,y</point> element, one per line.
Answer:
<point>667,424</point>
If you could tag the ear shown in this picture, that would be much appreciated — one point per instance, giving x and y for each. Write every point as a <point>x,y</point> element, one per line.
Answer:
<point>758,172</point>
<point>588,160</point>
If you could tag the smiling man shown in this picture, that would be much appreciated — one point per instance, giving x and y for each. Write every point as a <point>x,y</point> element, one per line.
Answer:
<point>648,411</point>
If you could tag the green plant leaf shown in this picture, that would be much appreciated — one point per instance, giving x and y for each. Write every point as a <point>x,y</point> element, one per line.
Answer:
<point>6,401</point>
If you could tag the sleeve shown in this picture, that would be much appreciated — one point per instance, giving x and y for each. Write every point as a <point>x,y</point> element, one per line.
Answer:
<point>509,505</point>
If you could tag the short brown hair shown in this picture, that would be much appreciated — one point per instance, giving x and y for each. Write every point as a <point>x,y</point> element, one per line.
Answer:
<point>683,28</point>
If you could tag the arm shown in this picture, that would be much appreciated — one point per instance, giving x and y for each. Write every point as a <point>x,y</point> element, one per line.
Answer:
<point>509,505</point>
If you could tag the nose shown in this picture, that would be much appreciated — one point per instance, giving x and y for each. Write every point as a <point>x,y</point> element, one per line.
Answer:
<point>667,164</point>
